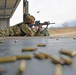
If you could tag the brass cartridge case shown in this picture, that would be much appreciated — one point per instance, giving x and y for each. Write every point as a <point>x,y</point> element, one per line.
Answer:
<point>66,52</point>
<point>29,49</point>
<point>24,56</point>
<point>39,56</point>
<point>41,45</point>
<point>58,69</point>
<point>22,66</point>
<point>66,60</point>
<point>7,59</point>
<point>45,55</point>
<point>56,60</point>
<point>73,53</point>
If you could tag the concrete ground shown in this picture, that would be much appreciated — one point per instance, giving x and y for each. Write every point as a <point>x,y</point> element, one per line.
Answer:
<point>36,66</point>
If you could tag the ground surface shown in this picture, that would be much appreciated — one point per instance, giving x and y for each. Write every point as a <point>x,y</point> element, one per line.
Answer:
<point>63,32</point>
<point>36,66</point>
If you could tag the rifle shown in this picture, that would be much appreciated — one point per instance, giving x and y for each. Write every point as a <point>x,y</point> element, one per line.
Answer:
<point>37,23</point>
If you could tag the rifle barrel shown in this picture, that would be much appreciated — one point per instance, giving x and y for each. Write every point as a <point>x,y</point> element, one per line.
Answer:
<point>45,23</point>
<point>52,23</point>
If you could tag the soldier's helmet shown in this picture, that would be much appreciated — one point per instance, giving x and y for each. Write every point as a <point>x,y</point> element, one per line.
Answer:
<point>29,19</point>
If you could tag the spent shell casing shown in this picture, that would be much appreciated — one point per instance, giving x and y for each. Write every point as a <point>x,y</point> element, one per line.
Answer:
<point>7,59</point>
<point>24,56</point>
<point>66,52</point>
<point>39,56</point>
<point>22,66</point>
<point>29,49</point>
<point>45,55</point>
<point>56,60</point>
<point>66,60</point>
<point>73,53</point>
<point>41,45</point>
<point>58,69</point>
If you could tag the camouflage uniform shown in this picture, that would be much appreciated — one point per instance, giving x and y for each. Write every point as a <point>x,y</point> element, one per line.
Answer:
<point>18,30</point>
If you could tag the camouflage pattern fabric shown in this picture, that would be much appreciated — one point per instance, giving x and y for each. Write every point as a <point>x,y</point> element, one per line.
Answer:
<point>17,30</point>
<point>25,29</point>
<point>22,30</point>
